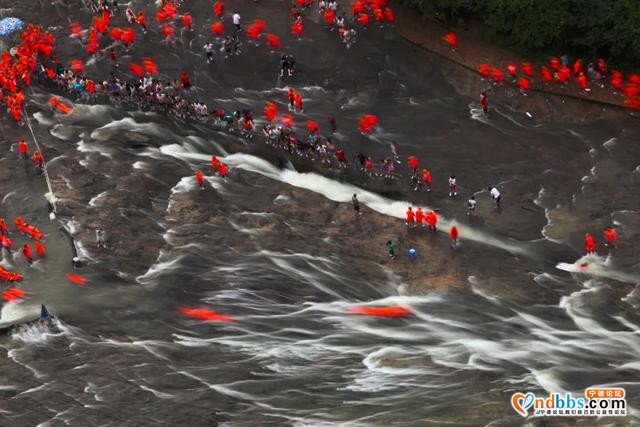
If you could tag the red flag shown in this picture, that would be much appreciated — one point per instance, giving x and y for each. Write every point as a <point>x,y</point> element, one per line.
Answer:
<point>136,70</point>
<point>205,314</point>
<point>217,28</point>
<point>451,40</point>
<point>76,279</point>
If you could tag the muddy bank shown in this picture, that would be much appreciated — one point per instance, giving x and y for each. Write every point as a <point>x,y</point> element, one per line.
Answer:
<point>544,101</point>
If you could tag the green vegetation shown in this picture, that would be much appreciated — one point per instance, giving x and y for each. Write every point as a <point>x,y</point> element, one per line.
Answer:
<point>609,28</point>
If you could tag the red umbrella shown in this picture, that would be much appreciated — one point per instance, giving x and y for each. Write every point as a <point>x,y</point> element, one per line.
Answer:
<point>271,111</point>
<point>115,33</point>
<point>287,120</point>
<point>363,19</point>
<point>149,66</point>
<point>485,70</point>
<point>167,31</point>
<point>527,69</point>
<point>524,84</point>
<point>297,29</point>
<point>187,21</point>
<point>451,40</point>
<point>77,66</point>
<point>273,41</point>
<point>217,28</point>
<point>313,127</point>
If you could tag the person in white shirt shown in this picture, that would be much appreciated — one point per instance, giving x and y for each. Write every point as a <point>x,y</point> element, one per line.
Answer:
<point>453,187</point>
<point>471,205</point>
<point>208,48</point>
<point>236,20</point>
<point>495,195</point>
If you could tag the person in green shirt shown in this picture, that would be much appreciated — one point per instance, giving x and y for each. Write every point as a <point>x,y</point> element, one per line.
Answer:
<point>392,249</point>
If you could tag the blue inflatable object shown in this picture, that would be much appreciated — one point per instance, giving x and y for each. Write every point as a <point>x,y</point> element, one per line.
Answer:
<point>9,25</point>
<point>412,254</point>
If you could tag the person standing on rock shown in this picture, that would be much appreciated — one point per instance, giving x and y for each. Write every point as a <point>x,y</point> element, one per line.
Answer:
<point>392,249</point>
<point>495,195</point>
<point>471,205</point>
<point>100,237</point>
<point>356,205</point>
<point>611,236</point>
<point>410,216</point>
<point>38,160</point>
<point>453,186</point>
<point>26,251</point>
<point>484,101</point>
<point>22,148</point>
<point>453,233</point>
<point>432,220</point>
<point>426,179</point>
<point>419,217</point>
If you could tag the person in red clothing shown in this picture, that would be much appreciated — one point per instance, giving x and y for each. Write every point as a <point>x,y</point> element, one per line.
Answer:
<point>453,233</point>
<point>215,163</point>
<point>410,216</point>
<point>611,236</point>
<point>3,227</point>
<point>589,243</point>
<point>141,20</point>
<point>185,80</point>
<point>485,102</point>
<point>419,217</point>
<point>37,158</point>
<point>40,249</point>
<point>200,179</point>
<point>6,243</point>
<point>26,251</point>
<point>223,170</point>
<point>426,179</point>
<point>432,220</point>
<point>22,148</point>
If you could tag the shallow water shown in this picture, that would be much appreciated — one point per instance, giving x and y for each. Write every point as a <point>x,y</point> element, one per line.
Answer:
<point>294,355</point>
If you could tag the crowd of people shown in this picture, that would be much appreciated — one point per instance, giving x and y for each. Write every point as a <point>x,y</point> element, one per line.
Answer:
<point>142,89</point>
